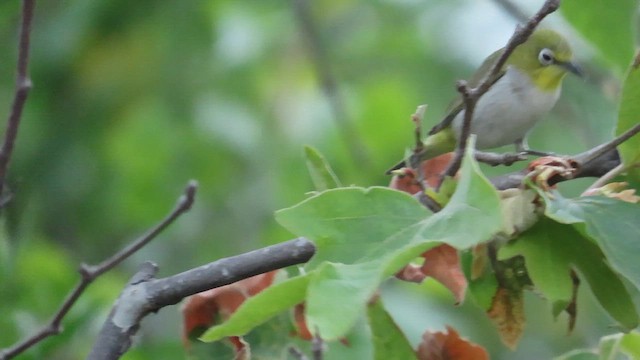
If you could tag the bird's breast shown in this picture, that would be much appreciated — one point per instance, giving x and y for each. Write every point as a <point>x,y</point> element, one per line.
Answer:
<point>508,110</point>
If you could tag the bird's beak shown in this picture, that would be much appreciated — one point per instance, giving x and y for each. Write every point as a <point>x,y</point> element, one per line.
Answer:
<point>571,67</point>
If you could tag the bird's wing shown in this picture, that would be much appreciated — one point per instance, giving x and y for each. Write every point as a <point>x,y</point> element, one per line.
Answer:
<point>457,104</point>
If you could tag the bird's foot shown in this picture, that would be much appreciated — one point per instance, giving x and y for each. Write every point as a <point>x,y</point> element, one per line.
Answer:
<point>495,159</point>
<point>538,153</point>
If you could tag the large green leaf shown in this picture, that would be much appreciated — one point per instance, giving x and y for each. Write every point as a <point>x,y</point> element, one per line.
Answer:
<point>629,116</point>
<point>551,249</point>
<point>258,309</point>
<point>365,235</point>
<point>350,286</point>
<point>345,223</point>
<point>612,223</point>
<point>546,261</point>
<point>388,340</point>
<point>362,237</point>
<point>608,25</point>
<point>610,347</point>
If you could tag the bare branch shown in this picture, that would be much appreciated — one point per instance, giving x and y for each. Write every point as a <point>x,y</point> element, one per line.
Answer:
<point>513,10</point>
<point>146,295</point>
<point>90,273</point>
<point>471,96</point>
<point>596,167</point>
<point>604,179</point>
<point>183,205</point>
<point>599,150</point>
<point>328,82</point>
<point>23,86</point>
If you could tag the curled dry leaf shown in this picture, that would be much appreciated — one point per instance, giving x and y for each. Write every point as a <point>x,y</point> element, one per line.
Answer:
<point>201,310</point>
<point>521,209</point>
<point>543,169</point>
<point>480,261</point>
<point>507,313</point>
<point>302,330</point>
<point>441,263</point>
<point>432,168</point>
<point>406,179</point>
<point>616,190</point>
<point>301,324</point>
<point>449,346</point>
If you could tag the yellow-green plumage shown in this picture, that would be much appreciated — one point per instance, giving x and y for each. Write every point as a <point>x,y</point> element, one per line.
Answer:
<point>525,90</point>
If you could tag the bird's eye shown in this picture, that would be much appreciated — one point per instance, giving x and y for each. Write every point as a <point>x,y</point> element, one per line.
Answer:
<point>545,57</point>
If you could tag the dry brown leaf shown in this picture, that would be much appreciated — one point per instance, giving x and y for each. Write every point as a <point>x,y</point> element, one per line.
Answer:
<point>241,347</point>
<point>616,190</point>
<point>449,346</point>
<point>441,263</point>
<point>480,261</point>
<point>300,322</point>
<point>406,180</point>
<point>542,169</point>
<point>507,313</point>
<point>411,273</point>
<point>201,310</point>
<point>432,168</point>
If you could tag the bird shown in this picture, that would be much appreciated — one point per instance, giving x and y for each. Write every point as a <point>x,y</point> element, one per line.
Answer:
<point>525,89</point>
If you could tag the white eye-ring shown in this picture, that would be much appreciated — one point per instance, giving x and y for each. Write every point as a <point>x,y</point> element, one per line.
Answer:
<point>546,57</point>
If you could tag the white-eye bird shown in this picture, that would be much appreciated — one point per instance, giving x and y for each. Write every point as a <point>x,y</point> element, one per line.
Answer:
<point>526,88</point>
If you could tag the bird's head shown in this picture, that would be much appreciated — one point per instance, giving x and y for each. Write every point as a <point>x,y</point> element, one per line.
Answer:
<point>545,57</point>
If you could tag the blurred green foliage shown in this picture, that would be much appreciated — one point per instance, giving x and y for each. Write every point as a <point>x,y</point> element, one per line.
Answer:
<point>132,99</point>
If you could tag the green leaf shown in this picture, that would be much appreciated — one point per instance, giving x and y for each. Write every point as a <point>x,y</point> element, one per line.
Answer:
<point>629,116</point>
<point>612,223</point>
<point>607,25</point>
<point>388,340</point>
<point>545,260</point>
<point>481,289</point>
<point>344,223</point>
<point>609,346</point>
<point>336,296</point>
<point>364,235</point>
<point>630,344</point>
<point>260,308</point>
<point>321,173</point>
<point>551,249</point>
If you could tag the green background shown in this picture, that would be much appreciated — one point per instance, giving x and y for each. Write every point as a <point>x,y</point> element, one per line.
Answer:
<point>133,99</point>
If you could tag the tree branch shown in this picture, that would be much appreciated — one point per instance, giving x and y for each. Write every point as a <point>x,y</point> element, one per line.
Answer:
<point>23,86</point>
<point>513,10</point>
<point>144,294</point>
<point>595,162</point>
<point>594,168</point>
<point>471,96</point>
<point>90,273</point>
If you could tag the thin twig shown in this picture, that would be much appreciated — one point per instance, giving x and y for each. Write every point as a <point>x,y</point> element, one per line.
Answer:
<point>597,151</point>
<point>471,96</point>
<point>23,85</point>
<point>513,10</point>
<point>297,353</point>
<point>144,294</point>
<point>414,159</point>
<point>317,347</point>
<point>597,161</point>
<point>328,82</point>
<point>604,179</point>
<point>90,273</point>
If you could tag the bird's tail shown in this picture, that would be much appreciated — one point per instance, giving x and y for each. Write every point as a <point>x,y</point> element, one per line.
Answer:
<point>434,145</point>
